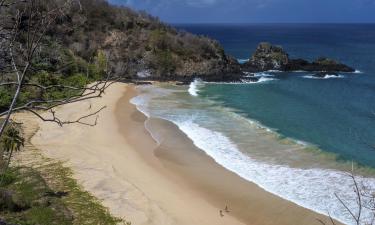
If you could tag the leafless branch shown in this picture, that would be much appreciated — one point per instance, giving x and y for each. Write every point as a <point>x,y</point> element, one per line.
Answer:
<point>22,34</point>
<point>60,122</point>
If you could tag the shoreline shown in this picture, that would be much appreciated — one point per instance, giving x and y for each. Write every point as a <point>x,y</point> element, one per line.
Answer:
<point>146,183</point>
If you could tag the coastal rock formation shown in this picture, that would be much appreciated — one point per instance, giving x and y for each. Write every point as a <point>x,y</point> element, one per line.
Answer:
<point>271,57</point>
<point>140,46</point>
<point>267,57</point>
<point>135,45</point>
<point>321,64</point>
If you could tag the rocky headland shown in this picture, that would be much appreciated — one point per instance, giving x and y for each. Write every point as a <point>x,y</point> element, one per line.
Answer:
<point>137,46</point>
<point>271,57</point>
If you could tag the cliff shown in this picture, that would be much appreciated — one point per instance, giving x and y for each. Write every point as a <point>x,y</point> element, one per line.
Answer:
<point>140,46</point>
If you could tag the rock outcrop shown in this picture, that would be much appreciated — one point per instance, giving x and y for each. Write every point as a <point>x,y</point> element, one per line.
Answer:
<point>271,57</point>
<point>321,64</point>
<point>267,57</point>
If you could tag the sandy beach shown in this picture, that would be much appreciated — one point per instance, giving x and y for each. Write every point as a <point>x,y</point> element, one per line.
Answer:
<point>147,182</point>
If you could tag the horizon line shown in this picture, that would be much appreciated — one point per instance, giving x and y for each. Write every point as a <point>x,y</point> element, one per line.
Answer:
<point>270,23</point>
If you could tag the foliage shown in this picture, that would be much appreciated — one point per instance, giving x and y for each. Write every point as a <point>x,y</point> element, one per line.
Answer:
<point>49,195</point>
<point>12,139</point>
<point>5,98</point>
<point>165,62</point>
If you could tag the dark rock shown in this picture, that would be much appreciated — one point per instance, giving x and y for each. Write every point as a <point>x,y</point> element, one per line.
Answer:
<point>271,57</point>
<point>12,202</point>
<point>326,64</point>
<point>321,64</point>
<point>297,64</point>
<point>267,57</point>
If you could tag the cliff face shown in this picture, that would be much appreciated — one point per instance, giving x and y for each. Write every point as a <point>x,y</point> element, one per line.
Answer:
<point>140,46</point>
<point>268,57</point>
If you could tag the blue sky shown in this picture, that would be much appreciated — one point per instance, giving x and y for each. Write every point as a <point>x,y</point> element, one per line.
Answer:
<point>257,11</point>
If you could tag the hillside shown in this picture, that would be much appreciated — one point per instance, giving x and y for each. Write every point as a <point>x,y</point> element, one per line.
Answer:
<point>139,45</point>
<point>91,39</point>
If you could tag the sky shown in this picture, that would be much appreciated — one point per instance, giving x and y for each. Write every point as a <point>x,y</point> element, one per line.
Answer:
<point>257,11</point>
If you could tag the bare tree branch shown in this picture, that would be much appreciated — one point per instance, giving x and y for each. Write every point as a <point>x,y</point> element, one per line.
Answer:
<point>23,29</point>
<point>60,122</point>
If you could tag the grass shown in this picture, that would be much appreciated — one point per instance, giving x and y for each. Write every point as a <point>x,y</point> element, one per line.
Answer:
<point>49,195</point>
<point>37,190</point>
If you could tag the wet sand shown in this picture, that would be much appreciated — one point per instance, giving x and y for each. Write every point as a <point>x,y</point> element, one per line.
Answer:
<point>165,182</point>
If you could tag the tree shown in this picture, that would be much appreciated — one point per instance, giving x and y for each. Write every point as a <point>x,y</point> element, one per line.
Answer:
<point>24,37</point>
<point>11,141</point>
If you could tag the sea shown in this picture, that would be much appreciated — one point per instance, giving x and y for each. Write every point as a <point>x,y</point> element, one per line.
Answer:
<point>294,135</point>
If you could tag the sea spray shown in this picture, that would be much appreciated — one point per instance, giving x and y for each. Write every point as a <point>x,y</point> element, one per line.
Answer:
<point>242,61</point>
<point>328,76</point>
<point>194,87</point>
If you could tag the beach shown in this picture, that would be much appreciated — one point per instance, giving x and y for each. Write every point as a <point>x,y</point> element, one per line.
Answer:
<point>168,181</point>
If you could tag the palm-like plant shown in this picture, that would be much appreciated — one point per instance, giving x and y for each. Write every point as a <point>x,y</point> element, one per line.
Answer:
<point>12,141</point>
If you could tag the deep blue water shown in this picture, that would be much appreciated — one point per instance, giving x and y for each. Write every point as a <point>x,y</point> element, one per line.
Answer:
<point>337,114</point>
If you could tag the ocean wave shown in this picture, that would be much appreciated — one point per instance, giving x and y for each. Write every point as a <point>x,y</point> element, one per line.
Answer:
<point>259,74</point>
<point>262,77</point>
<point>263,74</point>
<point>194,87</point>
<point>260,80</point>
<point>328,76</point>
<point>242,61</point>
<point>312,188</point>
<point>141,101</point>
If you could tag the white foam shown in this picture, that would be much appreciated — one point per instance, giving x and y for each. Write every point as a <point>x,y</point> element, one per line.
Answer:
<point>141,102</point>
<point>314,189</point>
<point>328,76</point>
<point>260,80</point>
<point>193,87</point>
<point>357,71</point>
<point>263,74</point>
<point>310,188</point>
<point>242,61</point>
<point>263,77</point>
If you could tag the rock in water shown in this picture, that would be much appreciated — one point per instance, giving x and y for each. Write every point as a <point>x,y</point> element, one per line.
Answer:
<point>326,64</point>
<point>272,57</point>
<point>267,57</point>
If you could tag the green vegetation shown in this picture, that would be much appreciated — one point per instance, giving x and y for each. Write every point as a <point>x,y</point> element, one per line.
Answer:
<point>45,193</point>
<point>71,71</point>
<point>40,191</point>
<point>27,199</point>
<point>137,39</point>
<point>11,141</point>
<point>91,40</point>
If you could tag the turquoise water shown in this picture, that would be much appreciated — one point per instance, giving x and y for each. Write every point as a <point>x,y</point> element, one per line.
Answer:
<point>337,114</point>
<point>280,132</point>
